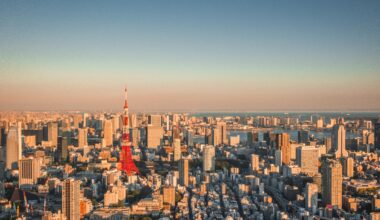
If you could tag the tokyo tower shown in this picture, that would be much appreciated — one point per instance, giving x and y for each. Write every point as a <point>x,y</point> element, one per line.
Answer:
<point>127,164</point>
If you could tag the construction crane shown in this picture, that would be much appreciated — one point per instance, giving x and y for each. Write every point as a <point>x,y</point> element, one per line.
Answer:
<point>26,202</point>
<point>45,205</point>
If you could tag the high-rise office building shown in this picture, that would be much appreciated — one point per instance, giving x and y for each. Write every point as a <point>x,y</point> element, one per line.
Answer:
<point>327,142</point>
<point>255,160</point>
<point>154,120</point>
<point>169,195</point>
<point>77,121</point>
<point>154,136</point>
<point>348,167</point>
<point>311,197</point>
<point>3,141</point>
<point>338,137</point>
<point>332,183</point>
<point>208,158</point>
<point>364,136</point>
<point>216,139</point>
<point>82,137</point>
<point>71,199</point>
<point>278,157</point>
<point>65,125</point>
<point>53,133</point>
<point>2,172</point>
<point>190,137</point>
<point>307,158</point>
<point>377,135</point>
<point>85,118</point>
<point>183,168</point>
<point>107,133</point>
<point>38,134</point>
<point>283,143</point>
<point>177,149</point>
<point>319,123</point>
<point>303,136</point>
<point>115,123</point>
<point>135,137</point>
<point>133,120</point>
<point>2,136</point>
<point>14,149</point>
<point>29,171</point>
<point>63,151</point>
<point>219,134</point>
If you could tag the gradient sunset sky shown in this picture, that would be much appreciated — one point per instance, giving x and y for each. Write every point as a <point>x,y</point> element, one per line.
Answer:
<point>190,55</point>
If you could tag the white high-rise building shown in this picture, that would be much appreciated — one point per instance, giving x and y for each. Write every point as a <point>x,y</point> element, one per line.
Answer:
<point>208,158</point>
<point>14,148</point>
<point>338,137</point>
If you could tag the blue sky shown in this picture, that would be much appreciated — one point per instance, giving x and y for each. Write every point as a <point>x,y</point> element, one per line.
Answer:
<point>190,55</point>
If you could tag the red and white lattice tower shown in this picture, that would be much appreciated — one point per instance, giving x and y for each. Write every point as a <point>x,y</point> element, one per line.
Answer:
<point>127,164</point>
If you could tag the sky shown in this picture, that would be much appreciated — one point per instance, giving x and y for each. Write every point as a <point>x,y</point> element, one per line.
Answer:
<point>177,55</point>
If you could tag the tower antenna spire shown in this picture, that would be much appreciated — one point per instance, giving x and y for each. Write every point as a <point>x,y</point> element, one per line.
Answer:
<point>125,97</point>
<point>127,164</point>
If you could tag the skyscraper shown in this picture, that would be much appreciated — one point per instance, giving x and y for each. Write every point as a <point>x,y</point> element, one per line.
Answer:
<point>219,134</point>
<point>208,158</point>
<point>307,158</point>
<point>1,136</point>
<point>154,136</point>
<point>348,167</point>
<point>29,171</point>
<point>154,120</point>
<point>216,138</point>
<point>169,195</point>
<point>332,183</point>
<point>311,197</point>
<point>115,123</point>
<point>14,149</point>
<point>183,168</point>
<point>278,157</point>
<point>338,137</point>
<point>177,149</point>
<point>63,151</point>
<point>377,135</point>
<point>303,136</point>
<point>85,116</point>
<point>283,143</point>
<point>107,133</point>
<point>77,120</point>
<point>133,120</point>
<point>71,199</point>
<point>135,137</point>
<point>82,137</point>
<point>53,133</point>
<point>255,160</point>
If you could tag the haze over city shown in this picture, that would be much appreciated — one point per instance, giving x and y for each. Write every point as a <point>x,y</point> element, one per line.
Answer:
<point>189,110</point>
<point>190,55</point>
